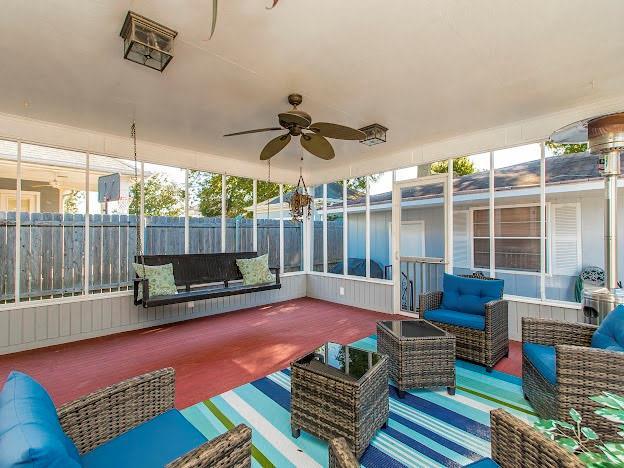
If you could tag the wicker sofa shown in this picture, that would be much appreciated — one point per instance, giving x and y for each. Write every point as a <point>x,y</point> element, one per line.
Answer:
<point>131,423</point>
<point>472,309</point>
<point>563,364</point>
<point>514,444</point>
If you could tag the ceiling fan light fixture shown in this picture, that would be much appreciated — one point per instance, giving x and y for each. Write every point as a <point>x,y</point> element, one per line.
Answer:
<point>375,134</point>
<point>147,42</point>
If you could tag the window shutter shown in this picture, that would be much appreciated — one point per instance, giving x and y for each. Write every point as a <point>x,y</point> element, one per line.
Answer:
<point>565,239</point>
<point>460,239</point>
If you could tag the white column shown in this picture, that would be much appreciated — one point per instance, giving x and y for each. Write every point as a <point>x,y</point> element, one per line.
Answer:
<point>87,248</point>
<point>186,213</point>
<point>345,230</point>
<point>543,221</point>
<point>491,218</point>
<point>281,227</point>
<point>367,227</point>
<point>18,221</point>
<point>449,217</point>
<point>223,210</point>
<point>324,228</point>
<point>142,222</point>
<point>255,215</point>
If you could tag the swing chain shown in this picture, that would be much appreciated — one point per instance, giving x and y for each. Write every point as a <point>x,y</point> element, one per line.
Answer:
<point>139,243</point>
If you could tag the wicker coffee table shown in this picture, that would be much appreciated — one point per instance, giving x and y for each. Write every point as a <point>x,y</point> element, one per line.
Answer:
<point>420,354</point>
<point>340,391</point>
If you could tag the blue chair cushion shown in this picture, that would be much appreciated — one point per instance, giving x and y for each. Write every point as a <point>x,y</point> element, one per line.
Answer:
<point>469,295</point>
<point>452,317</point>
<point>30,432</point>
<point>610,333</point>
<point>483,463</point>
<point>154,443</point>
<point>543,358</point>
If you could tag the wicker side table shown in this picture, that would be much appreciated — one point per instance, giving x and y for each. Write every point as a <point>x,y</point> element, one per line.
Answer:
<point>340,391</point>
<point>420,354</point>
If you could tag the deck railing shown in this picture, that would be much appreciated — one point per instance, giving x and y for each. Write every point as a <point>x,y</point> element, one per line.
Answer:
<point>419,275</point>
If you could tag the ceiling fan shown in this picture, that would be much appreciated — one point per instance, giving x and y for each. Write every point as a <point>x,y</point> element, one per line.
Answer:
<point>55,183</point>
<point>313,135</point>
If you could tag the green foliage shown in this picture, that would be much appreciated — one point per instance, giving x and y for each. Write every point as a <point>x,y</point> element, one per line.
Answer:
<point>576,438</point>
<point>559,149</point>
<point>206,190</point>
<point>71,200</point>
<point>162,197</point>
<point>461,166</point>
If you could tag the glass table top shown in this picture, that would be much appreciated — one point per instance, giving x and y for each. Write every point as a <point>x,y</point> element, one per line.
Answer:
<point>347,360</point>
<point>412,328</point>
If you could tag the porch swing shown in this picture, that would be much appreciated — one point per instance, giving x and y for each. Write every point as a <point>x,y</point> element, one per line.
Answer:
<point>197,276</point>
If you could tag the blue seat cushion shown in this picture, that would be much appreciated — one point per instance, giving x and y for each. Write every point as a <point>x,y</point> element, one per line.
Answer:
<point>610,333</point>
<point>484,463</point>
<point>30,432</point>
<point>543,358</point>
<point>469,295</point>
<point>154,443</point>
<point>452,317</point>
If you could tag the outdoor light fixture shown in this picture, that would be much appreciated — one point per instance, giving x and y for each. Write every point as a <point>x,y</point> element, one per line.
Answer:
<point>147,42</point>
<point>375,134</point>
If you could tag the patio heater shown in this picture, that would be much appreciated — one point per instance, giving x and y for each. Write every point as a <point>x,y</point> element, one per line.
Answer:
<point>605,137</point>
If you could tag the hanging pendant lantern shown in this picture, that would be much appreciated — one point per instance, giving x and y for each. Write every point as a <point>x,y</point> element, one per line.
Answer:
<point>146,42</point>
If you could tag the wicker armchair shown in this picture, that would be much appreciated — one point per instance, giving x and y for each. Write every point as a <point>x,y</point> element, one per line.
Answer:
<point>340,455</point>
<point>515,443</point>
<point>485,347</point>
<point>581,372</point>
<point>106,414</point>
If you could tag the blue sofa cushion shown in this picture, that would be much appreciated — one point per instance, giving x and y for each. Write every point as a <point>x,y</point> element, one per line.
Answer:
<point>543,358</point>
<point>484,463</point>
<point>30,432</point>
<point>153,443</point>
<point>610,333</point>
<point>469,295</point>
<point>452,317</point>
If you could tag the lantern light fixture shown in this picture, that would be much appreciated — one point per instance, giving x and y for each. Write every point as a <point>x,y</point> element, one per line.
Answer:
<point>375,134</point>
<point>147,42</point>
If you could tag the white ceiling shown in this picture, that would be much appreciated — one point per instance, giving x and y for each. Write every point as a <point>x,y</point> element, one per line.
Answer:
<point>427,69</point>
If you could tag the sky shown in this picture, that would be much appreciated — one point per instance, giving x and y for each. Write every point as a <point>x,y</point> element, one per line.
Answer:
<point>502,158</point>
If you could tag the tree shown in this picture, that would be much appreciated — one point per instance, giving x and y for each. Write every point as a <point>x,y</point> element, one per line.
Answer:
<point>461,166</point>
<point>206,190</point>
<point>559,149</point>
<point>71,201</point>
<point>162,197</point>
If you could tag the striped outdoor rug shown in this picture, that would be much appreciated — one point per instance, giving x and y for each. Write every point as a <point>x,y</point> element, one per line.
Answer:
<point>425,429</point>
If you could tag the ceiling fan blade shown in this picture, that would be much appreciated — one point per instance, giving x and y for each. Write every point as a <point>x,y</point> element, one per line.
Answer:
<point>274,146</point>
<point>253,131</point>
<point>339,132</point>
<point>317,145</point>
<point>295,117</point>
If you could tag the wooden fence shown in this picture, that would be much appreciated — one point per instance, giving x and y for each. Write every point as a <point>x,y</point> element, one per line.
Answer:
<point>52,248</point>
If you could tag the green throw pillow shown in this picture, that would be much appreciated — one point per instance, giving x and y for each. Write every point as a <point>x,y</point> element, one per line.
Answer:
<point>255,270</point>
<point>160,277</point>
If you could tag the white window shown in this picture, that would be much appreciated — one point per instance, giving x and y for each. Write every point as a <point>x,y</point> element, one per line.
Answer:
<point>516,238</point>
<point>30,201</point>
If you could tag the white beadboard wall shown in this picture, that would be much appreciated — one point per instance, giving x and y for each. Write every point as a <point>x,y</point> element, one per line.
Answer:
<point>518,309</point>
<point>44,324</point>
<point>378,296</point>
<point>365,294</point>
<point>48,324</point>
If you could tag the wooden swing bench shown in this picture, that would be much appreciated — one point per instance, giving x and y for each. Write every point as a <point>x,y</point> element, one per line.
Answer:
<point>203,276</point>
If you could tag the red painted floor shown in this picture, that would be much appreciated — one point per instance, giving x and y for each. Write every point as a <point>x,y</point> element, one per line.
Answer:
<point>210,355</point>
